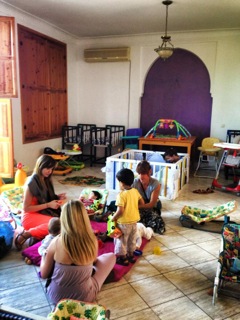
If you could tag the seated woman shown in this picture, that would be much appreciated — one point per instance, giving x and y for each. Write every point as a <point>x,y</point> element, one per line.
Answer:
<point>71,261</point>
<point>149,188</point>
<point>40,202</point>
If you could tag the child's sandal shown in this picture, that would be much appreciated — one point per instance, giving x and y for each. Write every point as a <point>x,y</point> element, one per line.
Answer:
<point>122,261</point>
<point>137,252</point>
<point>131,259</point>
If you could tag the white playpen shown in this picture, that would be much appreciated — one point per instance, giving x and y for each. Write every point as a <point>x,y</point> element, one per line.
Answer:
<point>172,176</point>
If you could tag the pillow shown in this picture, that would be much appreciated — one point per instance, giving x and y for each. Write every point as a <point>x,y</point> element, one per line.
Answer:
<point>73,309</point>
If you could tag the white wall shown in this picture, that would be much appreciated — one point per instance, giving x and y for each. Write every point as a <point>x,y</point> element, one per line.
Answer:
<point>211,47</point>
<point>110,93</point>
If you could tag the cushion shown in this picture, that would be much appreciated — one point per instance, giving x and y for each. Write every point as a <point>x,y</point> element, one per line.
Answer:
<point>74,309</point>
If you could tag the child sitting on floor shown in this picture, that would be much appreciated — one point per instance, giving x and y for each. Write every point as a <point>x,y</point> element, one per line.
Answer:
<point>93,202</point>
<point>54,227</point>
<point>54,230</point>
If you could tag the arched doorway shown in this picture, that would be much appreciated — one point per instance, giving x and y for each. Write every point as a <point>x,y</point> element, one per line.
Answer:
<point>179,89</point>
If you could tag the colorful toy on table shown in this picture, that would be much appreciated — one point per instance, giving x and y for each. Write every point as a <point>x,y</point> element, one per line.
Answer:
<point>182,132</point>
<point>112,230</point>
<point>76,147</point>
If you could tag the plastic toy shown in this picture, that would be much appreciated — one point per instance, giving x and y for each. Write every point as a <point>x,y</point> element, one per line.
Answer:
<point>76,147</point>
<point>112,230</point>
<point>20,176</point>
<point>169,124</point>
<point>157,250</point>
<point>19,180</point>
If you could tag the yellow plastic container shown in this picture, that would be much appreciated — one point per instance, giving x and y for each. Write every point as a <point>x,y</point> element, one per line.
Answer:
<point>20,176</point>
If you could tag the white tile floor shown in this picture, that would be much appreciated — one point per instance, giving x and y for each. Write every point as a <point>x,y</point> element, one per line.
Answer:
<point>172,285</point>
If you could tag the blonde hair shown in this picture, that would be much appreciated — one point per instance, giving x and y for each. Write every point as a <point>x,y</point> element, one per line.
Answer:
<point>77,235</point>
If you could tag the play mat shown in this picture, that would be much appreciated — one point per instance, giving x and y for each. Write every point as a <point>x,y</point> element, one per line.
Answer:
<point>118,271</point>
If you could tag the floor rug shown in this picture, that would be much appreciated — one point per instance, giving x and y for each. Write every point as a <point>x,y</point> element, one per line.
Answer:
<point>83,181</point>
<point>108,246</point>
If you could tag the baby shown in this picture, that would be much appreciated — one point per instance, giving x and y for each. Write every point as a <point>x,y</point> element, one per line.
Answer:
<point>54,230</point>
<point>93,202</point>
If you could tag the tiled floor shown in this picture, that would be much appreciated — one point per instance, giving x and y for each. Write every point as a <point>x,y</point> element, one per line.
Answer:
<point>172,285</point>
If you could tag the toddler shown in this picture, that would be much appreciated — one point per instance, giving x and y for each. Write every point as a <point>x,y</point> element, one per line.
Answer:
<point>126,217</point>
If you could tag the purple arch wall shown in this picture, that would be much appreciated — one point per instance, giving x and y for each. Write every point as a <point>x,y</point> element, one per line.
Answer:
<point>179,89</point>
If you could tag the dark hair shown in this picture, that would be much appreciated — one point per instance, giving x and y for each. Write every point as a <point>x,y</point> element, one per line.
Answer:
<point>143,167</point>
<point>170,152</point>
<point>125,176</point>
<point>54,226</point>
<point>97,194</point>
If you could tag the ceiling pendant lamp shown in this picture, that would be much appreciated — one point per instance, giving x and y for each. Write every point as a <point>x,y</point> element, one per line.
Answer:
<point>166,49</point>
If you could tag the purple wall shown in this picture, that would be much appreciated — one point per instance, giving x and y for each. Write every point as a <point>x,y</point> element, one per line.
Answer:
<point>178,89</point>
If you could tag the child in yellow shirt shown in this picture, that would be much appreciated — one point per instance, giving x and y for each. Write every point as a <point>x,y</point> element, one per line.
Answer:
<point>126,217</point>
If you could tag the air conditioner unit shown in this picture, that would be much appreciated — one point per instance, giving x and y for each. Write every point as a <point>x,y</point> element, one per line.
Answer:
<point>107,55</point>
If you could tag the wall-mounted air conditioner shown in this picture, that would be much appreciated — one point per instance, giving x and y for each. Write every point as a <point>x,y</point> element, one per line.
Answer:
<point>107,55</point>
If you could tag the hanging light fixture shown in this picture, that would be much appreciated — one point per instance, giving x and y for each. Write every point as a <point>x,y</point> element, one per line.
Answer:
<point>166,49</point>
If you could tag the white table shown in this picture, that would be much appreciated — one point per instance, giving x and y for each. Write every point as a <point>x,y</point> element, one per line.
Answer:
<point>226,147</point>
